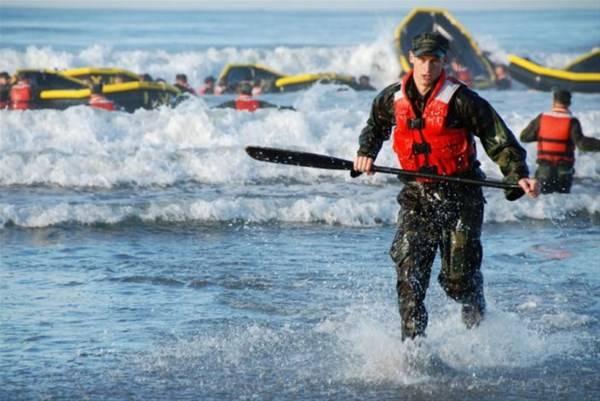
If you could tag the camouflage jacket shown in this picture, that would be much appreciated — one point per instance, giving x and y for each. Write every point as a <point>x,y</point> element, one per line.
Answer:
<point>467,110</point>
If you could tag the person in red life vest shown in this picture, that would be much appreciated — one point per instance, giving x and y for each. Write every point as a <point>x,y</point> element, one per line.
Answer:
<point>245,101</point>
<point>557,134</point>
<point>209,86</point>
<point>434,120</point>
<point>182,84</point>
<point>461,72</point>
<point>4,90</point>
<point>22,94</point>
<point>98,100</point>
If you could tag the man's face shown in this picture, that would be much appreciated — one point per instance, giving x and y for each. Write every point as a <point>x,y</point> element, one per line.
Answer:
<point>427,68</point>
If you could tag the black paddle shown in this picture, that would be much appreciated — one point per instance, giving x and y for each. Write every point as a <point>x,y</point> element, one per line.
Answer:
<point>295,158</point>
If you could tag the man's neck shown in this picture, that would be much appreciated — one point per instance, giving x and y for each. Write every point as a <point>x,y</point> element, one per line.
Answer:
<point>559,108</point>
<point>422,88</point>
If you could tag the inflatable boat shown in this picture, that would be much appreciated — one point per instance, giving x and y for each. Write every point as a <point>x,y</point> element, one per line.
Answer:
<point>463,51</point>
<point>274,82</point>
<point>542,78</point>
<point>58,90</point>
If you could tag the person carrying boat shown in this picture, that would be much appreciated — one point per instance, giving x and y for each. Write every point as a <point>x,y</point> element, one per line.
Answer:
<point>502,80</point>
<point>209,86</point>
<point>4,90</point>
<point>557,134</point>
<point>436,119</point>
<point>461,72</point>
<point>181,83</point>
<point>98,100</point>
<point>364,83</point>
<point>22,93</point>
<point>245,101</point>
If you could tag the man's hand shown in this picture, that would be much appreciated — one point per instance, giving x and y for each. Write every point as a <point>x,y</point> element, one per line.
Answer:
<point>364,164</point>
<point>529,185</point>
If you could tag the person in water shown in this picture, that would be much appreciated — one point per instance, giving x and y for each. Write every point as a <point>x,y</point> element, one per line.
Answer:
<point>209,86</point>
<point>436,120</point>
<point>98,100</point>
<point>245,101</point>
<point>23,93</point>
<point>181,83</point>
<point>364,83</point>
<point>557,134</point>
<point>502,79</point>
<point>4,90</point>
<point>461,72</point>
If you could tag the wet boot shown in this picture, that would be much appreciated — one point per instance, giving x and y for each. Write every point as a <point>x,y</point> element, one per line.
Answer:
<point>473,312</point>
<point>414,319</point>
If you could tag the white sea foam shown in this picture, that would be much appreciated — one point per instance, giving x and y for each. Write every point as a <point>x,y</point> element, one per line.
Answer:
<point>150,151</point>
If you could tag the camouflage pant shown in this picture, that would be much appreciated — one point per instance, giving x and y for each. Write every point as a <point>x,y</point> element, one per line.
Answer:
<point>448,217</point>
<point>555,178</point>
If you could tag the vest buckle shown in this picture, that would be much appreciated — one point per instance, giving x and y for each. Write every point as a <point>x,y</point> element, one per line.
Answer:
<point>421,148</point>
<point>416,123</point>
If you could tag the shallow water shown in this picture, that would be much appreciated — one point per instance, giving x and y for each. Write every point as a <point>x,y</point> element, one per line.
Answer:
<point>244,311</point>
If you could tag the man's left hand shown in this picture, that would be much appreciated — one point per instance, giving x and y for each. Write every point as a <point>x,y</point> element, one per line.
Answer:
<point>530,186</point>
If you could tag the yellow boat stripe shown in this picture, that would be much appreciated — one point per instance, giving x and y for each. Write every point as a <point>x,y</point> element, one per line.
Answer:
<point>553,73</point>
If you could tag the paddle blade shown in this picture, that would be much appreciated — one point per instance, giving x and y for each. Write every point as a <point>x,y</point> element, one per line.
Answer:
<point>291,157</point>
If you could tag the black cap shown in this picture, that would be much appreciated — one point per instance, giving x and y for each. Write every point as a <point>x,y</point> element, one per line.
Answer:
<point>562,96</point>
<point>208,79</point>
<point>430,43</point>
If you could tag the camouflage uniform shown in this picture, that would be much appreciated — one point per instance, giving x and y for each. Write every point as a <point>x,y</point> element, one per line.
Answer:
<point>444,215</point>
<point>559,177</point>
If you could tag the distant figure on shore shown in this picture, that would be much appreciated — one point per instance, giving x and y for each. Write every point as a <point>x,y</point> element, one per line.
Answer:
<point>502,78</point>
<point>181,83</point>
<point>557,133</point>
<point>4,90</point>
<point>364,83</point>
<point>98,100</point>
<point>245,101</point>
<point>209,86</point>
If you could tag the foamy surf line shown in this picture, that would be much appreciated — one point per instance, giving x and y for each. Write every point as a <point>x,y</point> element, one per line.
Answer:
<point>373,210</point>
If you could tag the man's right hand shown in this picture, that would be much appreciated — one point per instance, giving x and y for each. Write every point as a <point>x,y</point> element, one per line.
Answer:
<point>364,164</point>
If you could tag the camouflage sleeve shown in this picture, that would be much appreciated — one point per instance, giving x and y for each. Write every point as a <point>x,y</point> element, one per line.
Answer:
<point>379,125</point>
<point>530,133</point>
<point>584,143</point>
<point>499,143</point>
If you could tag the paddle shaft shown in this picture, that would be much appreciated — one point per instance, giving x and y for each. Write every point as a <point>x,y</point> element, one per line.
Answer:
<point>305,159</point>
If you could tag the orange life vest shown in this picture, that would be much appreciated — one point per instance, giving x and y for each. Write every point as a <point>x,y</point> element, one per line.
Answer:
<point>554,138</point>
<point>100,102</point>
<point>21,96</point>
<point>245,102</point>
<point>426,144</point>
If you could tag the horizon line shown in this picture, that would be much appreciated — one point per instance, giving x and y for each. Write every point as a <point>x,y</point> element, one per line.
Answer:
<point>306,5</point>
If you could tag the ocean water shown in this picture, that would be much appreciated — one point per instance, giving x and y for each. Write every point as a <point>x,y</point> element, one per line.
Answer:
<point>144,256</point>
